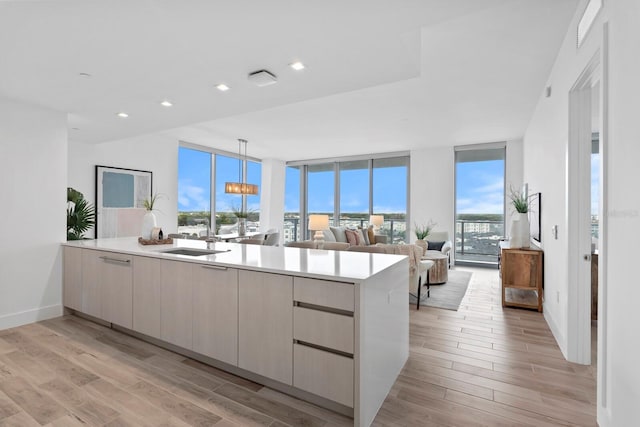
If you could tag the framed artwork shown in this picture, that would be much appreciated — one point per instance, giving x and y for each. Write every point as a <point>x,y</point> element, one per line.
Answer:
<point>120,195</point>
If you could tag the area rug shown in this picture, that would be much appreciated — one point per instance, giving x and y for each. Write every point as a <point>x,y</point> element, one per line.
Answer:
<point>448,295</point>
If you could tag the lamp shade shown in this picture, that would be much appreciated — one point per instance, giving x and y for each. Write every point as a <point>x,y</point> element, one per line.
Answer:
<point>240,188</point>
<point>376,220</point>
<point>318,222</point>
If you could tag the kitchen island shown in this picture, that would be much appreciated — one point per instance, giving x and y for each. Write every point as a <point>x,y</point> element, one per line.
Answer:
<point>330,327</point>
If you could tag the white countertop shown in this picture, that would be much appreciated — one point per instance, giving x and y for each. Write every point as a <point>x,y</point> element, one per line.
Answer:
<point>341,266</point>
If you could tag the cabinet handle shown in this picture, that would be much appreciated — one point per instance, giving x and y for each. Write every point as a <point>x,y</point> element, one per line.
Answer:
<point>122,261</point>
<point>322,348</point>
<point>214,267</point>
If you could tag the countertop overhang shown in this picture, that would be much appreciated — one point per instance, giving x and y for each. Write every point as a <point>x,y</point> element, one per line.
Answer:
<point>341,266</point>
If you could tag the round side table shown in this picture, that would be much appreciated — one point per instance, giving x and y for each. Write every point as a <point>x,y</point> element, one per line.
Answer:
<point>439,273</point>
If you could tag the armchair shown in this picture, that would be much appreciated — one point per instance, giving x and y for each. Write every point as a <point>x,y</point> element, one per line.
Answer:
<point>438,237</point>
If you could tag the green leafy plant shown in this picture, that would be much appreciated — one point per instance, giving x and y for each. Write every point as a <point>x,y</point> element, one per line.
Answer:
<point>81,215</point>
<point>519,201</point>
<point>423,230</point>
<point>238,212</point>
<point>150,202</point>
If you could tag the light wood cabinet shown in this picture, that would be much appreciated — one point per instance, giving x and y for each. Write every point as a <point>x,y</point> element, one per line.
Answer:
<point>72,281</point>
<point>215,312</point>
<point>265,327</point>
<point>522,274</point>
<point>91,295</point>
<point>323,373</point>
<point>147,291</point>
<point>176,303</point>
<point>107,286</point>
<point>115,278</point>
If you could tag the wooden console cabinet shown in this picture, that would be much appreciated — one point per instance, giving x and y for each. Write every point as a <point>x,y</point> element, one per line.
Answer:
<point>522,274</point>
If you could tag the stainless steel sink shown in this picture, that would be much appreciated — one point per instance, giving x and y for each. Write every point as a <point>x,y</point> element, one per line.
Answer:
<point>192,252</point>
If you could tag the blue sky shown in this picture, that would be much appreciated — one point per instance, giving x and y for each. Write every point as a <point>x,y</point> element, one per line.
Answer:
<point>479,186</point>
<point>194,181</point>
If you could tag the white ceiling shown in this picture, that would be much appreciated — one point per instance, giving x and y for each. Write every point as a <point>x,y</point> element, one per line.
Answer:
<point>382,75</point>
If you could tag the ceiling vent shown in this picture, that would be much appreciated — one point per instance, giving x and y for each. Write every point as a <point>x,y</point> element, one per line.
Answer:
<point>262,78</point>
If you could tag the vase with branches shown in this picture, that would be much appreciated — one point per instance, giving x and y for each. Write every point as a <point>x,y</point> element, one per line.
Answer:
<point>422,231</point>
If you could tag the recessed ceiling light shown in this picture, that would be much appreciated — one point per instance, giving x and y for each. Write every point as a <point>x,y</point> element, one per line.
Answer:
<point>122,114</point>
<point>166,103</point>
<point>297,65</point>
<point>85,75</point>
<point>75,128</point>
<point>222,87</point>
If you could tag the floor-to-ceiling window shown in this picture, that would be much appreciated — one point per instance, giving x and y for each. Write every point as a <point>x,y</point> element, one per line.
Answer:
<point>194,190</point>
<point>480,207</point>
<point>292,206</point>
<point>390,185</point>
<point>354,193</point>
<point>349,190</point>
<point>202,174</point>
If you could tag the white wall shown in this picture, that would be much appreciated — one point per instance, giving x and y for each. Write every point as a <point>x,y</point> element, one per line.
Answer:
<point>432,190</point>
<point>33,173</point>
<point>272,195</point>
<point>545,167</point>
<point>623,217</point>
<point>157,153</point>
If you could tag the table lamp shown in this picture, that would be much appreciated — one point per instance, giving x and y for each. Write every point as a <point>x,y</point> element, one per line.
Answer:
<point>319,223</point>
<point>376,221</point>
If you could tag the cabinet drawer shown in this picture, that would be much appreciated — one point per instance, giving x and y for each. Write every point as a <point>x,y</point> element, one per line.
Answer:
<point>324,293</point>
<point>330,330</point>
<point>325,374</point>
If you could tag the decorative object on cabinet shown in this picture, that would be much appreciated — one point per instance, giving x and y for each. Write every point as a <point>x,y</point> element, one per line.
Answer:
<point>81,215</point>
<point>521,271</point>
<point>519,236</point>
<point>120,200</point>
<point>149,221</point>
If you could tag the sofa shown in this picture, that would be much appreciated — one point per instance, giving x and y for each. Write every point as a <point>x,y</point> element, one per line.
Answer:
<point>355,237</point>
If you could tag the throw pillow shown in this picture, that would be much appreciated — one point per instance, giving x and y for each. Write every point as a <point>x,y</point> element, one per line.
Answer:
<point>352,237</point>
<point>435,246</point>
<point>339,233</point>
<point>328,236</point>
<point>365,236</point>
<point>361,238</point>
<point>372,235</point>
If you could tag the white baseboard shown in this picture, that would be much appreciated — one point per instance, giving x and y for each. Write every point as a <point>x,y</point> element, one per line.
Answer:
<point>30,316</point>
<point>557,333</point>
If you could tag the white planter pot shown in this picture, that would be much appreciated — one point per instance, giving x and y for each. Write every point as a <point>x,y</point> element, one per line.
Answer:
<point>148,223</point>
<point>520,234</point>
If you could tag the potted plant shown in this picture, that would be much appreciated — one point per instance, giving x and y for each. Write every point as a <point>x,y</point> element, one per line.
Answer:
<point>81,215</point>
<point>149,221</point>
<point>520,234</point>
<point>242,216</point>
<point>422,231</point>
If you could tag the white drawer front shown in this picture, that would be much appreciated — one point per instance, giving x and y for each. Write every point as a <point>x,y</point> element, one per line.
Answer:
<point>324,293</point>
<point>325,374</point>
<point>330,330</point>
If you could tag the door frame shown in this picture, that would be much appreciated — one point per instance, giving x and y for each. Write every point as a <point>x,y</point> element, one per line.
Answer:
<point>578,212</point>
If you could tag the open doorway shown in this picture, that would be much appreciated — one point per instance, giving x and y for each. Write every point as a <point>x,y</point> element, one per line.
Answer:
<point>586,204</point>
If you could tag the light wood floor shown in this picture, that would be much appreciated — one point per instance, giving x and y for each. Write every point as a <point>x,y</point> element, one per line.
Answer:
<point>479,366</point>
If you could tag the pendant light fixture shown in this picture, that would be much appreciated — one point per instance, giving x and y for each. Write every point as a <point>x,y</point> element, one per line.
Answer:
<point>241,187</point>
